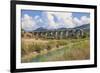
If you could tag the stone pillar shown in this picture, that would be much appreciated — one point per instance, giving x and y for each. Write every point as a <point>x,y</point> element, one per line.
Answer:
<point>55,34</point>
<point>69,33</point>
<point>73,33</point>
<point>78,33</point>
<point>45,35</point>
<point>58,34</point>
<point>66,34</point>
<point>82,33</point>
<point>52,34</point>
<point>61,34</point>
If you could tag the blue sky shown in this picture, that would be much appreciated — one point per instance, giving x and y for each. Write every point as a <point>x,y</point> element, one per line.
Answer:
<point>34,13</point>
<point>79,14</point>
<point>33,19</point>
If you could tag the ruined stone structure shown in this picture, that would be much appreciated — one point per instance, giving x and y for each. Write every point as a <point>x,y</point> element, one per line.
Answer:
<point>63,34</point>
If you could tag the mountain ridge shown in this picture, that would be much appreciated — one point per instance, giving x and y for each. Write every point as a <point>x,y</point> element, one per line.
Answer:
<point>85,27</point>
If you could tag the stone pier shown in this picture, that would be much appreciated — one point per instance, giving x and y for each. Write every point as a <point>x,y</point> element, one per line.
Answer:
<point>71,33</point>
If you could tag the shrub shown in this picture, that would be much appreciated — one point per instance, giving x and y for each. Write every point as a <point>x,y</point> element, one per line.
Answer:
<point>61,43</point>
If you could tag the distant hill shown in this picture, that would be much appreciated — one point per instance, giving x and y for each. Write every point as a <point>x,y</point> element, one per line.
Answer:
<point>40,29</point>
<point>62,29</point>
<point>85,26</point>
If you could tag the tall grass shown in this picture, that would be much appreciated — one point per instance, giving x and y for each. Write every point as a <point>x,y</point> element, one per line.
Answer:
<point>27,48</point>
<point>72,49</point>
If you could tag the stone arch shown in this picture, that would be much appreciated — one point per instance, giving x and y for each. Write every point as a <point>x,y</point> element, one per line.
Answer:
<point>79,33</point>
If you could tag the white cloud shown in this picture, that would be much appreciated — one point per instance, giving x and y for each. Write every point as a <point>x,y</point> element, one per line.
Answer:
<point>51,23</point>
<point>53,20</point>
<point>36,17</point>
<point>77,21</point>
<point>63,20</point>
<point>83,20</point>
<point>28,23</point>
<point>39,20</point>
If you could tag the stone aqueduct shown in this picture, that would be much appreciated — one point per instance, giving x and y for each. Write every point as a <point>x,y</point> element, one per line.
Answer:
<point>72,33</point>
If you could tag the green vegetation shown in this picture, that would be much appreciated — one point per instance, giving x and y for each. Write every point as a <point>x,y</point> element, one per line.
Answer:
<point>55,50</point>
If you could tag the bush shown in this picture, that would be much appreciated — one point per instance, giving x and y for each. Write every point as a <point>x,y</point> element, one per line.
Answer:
<point>61,43</point>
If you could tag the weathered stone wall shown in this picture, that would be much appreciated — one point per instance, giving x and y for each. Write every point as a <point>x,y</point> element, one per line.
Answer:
<point>72,33</point>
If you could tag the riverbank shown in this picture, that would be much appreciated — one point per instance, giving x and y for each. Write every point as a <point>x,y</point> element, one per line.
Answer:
<point>72,49</point>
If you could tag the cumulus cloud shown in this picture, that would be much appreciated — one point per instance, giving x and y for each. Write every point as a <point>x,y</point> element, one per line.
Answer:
<point>36,17</point>
<point>39,20</point>
<point>62,20</point>
<point>51,23</point>
<point>65,19</point>
<point>28,23</point>
<point>77,21</point>
<point>83,20</point>
<point>53,20</point>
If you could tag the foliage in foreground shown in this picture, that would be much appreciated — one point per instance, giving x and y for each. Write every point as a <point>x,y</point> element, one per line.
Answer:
<point>70,49</point>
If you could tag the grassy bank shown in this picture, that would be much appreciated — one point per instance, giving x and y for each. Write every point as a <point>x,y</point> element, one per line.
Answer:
<point>55,50</point>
